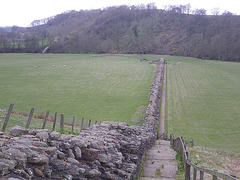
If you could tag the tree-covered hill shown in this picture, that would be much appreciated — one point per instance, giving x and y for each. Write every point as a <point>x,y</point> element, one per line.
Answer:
<point>176,30</point>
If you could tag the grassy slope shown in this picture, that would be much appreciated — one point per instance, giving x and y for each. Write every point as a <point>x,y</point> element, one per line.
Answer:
<point>110,88</point>
<point>204,101</point>
<point>217,160</point>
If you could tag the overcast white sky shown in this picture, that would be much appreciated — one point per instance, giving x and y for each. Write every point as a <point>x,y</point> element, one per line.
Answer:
<point>23,12</point>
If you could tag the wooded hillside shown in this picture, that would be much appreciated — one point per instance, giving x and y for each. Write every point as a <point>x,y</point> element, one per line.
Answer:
<point>177,30</point>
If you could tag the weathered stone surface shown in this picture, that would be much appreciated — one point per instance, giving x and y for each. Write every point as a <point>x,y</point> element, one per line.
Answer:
<point>22,173</point>
<point>77,141</point>
<point>72,161</point>
<point>55,135</point>
<point>117,159</point>
<point>66,145</point>
<point>66,137</point>
<point>93,173</point>
<point>43,136</point>
<point>81,170</point>
<point>17,155</point>
<point>38,149</point>
<point>90,154</point>
<point>39,172</point>
<point>22,141</point>
<point>59,164</point>
<point>30,137</point>
<point>39,144</point>
<point>96,144</point>
<point>70,153</point>
<point>54,143</point>
<point>18,131</point>
<point>39,159</point>
<point>73,170</point>
<point>78,153</point>
<point>30,172</point>
<point>23,148</point>
<point>51,150</point>
<point>2,142</point>
<point>124,174</point>
<point>60,154</point>
<point>129,167</point>
<point>103,158</point>
<point>109,175</point>
<point>6,166</point>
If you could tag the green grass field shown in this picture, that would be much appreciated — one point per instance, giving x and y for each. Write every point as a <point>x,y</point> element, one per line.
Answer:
<point>97,87</point>
<point>204,102</point>
<point>203,96</point>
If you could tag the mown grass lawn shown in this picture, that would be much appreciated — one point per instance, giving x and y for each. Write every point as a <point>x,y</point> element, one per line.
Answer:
<point>97,87</point>
<point>204,102</point>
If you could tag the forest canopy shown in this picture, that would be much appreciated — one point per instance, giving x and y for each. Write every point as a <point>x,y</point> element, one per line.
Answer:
<point>142,29</point>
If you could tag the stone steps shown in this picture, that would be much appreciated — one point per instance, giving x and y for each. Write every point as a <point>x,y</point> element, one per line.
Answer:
<point>160,162</point>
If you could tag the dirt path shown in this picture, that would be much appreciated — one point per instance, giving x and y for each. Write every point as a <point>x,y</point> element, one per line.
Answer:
<point>160,162</point>
<point>162,114</point>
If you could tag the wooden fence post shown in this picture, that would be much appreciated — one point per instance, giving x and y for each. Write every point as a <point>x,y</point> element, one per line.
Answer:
<point>7,117</point>
<point>82,124</point>
<point>45,120</point>
<point>54,121</point>
<point>187,171</point>
<point>192,143</point>
<point>62,123</point>
<point>201,175</point>
<point>187,154</point>
<point>29,118</point>
<point>194,174</point>
<point>184,144</point>
<point>73,123</point>
<point>89,123</point>
<point>214,176</point>
<point>173,144</point>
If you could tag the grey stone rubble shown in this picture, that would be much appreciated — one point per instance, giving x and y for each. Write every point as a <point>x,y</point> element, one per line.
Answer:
<point>110,150</point>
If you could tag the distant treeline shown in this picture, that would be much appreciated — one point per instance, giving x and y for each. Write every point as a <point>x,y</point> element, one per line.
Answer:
<point>175,30</point>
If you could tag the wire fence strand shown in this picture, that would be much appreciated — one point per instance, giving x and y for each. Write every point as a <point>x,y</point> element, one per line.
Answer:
<point>20,116</point>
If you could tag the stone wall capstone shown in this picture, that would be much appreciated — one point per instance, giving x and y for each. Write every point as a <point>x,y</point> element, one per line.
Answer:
<point>109,150</point>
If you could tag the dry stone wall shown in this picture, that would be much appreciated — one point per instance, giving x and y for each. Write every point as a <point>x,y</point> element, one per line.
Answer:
<point>110,150</point>
<point>153,109</point>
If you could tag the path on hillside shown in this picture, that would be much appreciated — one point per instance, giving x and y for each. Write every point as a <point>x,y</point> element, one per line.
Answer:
<point>162,114</point>
<point>160,162</point>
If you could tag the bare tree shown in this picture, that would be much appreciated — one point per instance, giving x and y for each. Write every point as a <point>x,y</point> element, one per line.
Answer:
<point>215,11</point>
<point>200,12</point>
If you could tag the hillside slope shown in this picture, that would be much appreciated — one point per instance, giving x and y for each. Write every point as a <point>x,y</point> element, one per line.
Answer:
<point>135,29</point>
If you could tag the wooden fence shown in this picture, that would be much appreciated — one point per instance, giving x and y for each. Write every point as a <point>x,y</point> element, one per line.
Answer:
<point>45,120</point>
<point>180,145</point>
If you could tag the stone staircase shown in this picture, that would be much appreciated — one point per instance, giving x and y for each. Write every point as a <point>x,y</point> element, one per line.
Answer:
<point>160,162</point>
